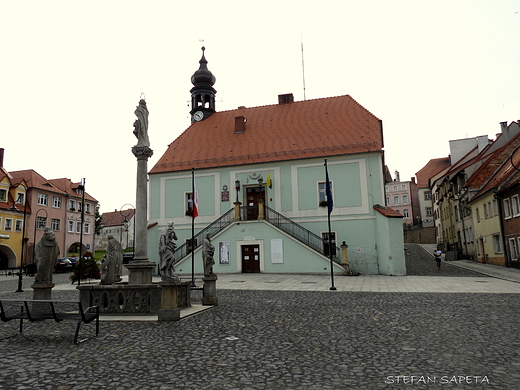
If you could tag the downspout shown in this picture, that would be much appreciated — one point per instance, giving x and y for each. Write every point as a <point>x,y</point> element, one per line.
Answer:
<point>501,221</point>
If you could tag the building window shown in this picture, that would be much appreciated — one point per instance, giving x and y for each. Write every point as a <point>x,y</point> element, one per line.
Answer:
<point>41,222</point>
<point>87,207</point>
<point>495,207</point>
<point>396,200</point>
<point>405,198</point>
<point>8,224</point>
<point>403,187</point>
<point>515,206</point>
<point>72,205</point>
<point>428,211</point>
<point>43,199</point>
<point>56,202</point>
<point>327,247</point>
<point>395,188</point>
<point>86,229</point>
<point>512,249</point>
<point>20,198</point>
<point>78,227</point>
<point>427,195</point>
<point>387,189</point>
<point>406,214</point>
<point>55,224</point>
<point>477,212</point>
<point>18,225</point>
<point>387,200</point>
<point>71,227</point>
<point>507,208</point>
<point>321,191</point>
<point>486,216</point>
<point>79,205</point>
<point>496,243</point>
<point>3,195</point>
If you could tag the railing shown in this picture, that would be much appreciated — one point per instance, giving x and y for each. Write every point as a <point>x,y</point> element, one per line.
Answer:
<point>300,233</point>
<point>212,229</point>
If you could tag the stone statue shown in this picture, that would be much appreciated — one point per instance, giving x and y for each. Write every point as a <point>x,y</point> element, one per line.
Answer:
<point>46,254</point>
<point>166,249</point>
<point>141,124</point>
<point>107,268</point>
<point>115,254</point>
<point>208,250</point>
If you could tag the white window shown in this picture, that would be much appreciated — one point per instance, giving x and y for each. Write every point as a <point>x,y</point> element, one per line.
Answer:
<point>387,189</point>
<point>396,199</point>
<point>41,222</point>
<point>403,187</point>
<point>428,211</point>
<point>395,188</point>
<point>20,198</point>
<point>405,198</point>
<point>87,207</point>
<point>79,205</point>
<point>515,206</point>
<point>495,207</point>
<point>19,225</point>
<point>56,202</point>
<point>72,205</point>
<point>512,249</point>
<point>507,208</point>
<point>43,199</point>
<point>8,224</point>
<point>321,191</point>
<point>3,195</point>
<point>387,200</point>
<point>496,243</point>
<point>427,195</point>
<point>55,224</point>
<point>78,227</point>
<point>86,228</point>
<point>71,227</point>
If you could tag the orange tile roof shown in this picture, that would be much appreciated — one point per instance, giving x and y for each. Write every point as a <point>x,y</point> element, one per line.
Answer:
<point>432,168</point>
<point>306,129</point>
<point>115,218</point>
<point>388,212</point>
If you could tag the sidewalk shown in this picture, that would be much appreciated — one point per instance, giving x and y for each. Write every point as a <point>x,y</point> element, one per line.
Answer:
<point>495,271</point>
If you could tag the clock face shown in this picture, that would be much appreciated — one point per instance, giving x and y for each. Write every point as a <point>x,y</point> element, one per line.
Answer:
<point>198,115</point>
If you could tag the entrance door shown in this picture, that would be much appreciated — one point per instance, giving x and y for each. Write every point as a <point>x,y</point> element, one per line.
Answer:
<point>253,195</point>
<point>250,258</point>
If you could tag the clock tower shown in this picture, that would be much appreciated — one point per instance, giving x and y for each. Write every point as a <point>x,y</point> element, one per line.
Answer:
<point>202,93</point>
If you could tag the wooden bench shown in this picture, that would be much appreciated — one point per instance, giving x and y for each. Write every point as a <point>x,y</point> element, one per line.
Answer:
<point>57,310</point>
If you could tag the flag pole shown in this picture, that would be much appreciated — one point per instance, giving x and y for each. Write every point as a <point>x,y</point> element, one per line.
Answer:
<point>193,195</point>
<point>330,205</point>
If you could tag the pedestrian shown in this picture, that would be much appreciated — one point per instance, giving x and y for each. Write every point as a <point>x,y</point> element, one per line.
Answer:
<point>437,254</point>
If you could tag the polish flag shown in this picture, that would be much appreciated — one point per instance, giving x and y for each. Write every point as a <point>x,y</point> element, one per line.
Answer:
<point>195,201</point>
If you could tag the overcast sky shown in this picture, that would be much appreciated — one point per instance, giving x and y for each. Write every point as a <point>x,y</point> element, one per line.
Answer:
<point>72,73</point>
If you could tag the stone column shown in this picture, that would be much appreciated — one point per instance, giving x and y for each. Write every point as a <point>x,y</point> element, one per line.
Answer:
<point>210,290</point>
<point>261,209</point>
<point>344,256</point>
<point>237,210</point>
<point>42,290</point>
<point>140,269</point>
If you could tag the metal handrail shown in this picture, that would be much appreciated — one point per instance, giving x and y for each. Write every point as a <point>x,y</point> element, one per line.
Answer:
<point>213,228</point>
<point>300,233</point>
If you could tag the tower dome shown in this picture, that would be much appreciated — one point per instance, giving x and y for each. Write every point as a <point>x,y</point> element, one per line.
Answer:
<point>203,75</point>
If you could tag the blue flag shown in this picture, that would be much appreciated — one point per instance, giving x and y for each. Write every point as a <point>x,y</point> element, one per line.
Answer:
<point>328,191</point>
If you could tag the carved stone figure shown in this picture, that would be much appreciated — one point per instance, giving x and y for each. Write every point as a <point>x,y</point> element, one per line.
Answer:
<point>141,124</point>
<point>166,249</point>
<point>107,268</point>
<point>46,254</point>
<point>115,255</point>
<point>208,251</point>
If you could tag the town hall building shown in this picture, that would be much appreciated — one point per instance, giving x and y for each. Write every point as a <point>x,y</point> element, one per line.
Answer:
<point>258,176</point>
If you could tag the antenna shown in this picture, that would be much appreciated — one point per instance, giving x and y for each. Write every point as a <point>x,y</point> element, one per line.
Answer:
<point>303,68</point>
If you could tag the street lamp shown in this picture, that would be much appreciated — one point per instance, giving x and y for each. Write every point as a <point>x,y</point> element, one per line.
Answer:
<point>237,186</point>
<point>81,190</point>
<point>14,208</point>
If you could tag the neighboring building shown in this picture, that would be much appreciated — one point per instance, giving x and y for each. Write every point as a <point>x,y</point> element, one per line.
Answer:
<point>13,212</point>
<point>261,188</point>
<point>57,203</point>
<point>120,224</point>
<point>424,194</point>
<point>402,197</point>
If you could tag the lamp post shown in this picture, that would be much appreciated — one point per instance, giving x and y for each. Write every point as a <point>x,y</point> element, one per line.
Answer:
<point>125,213</point>
<point>14,208</point>
<point>81,188</point>
<point>237,187</point>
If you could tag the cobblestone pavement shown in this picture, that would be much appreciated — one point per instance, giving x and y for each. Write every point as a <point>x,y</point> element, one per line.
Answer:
<point>282,340</point>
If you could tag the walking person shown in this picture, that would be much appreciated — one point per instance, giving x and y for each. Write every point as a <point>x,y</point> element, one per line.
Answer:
<point>437,254</point>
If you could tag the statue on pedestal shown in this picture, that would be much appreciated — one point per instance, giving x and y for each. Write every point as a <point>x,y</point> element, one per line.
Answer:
<point>166,248</point>
<point>112,263</point>
<point>46,254</point>
<point>141,124</point>
<point>208,251</point>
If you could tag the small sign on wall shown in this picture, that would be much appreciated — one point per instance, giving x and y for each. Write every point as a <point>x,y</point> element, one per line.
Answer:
<point>223,252</point>
<point>276,251</point>
<point>225,196</point>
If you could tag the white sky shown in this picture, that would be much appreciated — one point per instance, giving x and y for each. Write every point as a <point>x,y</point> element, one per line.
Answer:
<point>72,73</point>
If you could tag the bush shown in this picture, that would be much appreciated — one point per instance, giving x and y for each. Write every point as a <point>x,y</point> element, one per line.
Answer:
<point>89,269</point>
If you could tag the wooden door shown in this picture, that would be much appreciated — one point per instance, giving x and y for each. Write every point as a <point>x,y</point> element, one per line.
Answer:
<point>253,195</point>
<point>250,258</point>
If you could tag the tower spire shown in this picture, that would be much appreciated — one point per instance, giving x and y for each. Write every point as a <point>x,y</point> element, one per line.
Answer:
<point>202,93</point>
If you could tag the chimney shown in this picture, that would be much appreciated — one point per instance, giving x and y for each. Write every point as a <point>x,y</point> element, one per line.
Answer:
<point>397,176</point>
<point>503,127</point>
<point>1,157</point>
<point>285,99</point>
<point>240,124</point>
